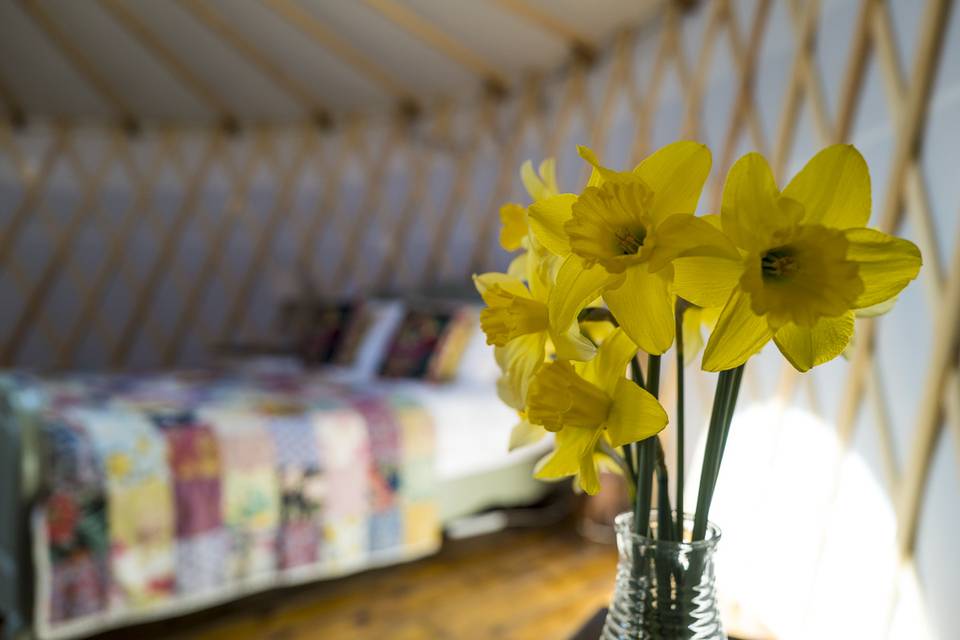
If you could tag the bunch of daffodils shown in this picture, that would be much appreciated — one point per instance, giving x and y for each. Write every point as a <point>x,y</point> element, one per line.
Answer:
<point>625,267</point>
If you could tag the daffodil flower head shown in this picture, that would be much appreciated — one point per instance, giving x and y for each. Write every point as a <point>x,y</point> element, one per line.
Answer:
<point>562,398</point>
<point>610,224</point>
<point>807,261</point>
<point>510,314</point>
<point>804,277</point>
<point>620,236</point>
<point>586,401</point>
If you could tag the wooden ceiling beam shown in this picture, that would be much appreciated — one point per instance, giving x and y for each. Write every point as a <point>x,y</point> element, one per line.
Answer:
<point>159,50</point>
<point>77,58</point>
<point>435,38</point>
<point>553,25</point>
<point>11,104</point>
<point>292,86</point>
<point>327,38</point>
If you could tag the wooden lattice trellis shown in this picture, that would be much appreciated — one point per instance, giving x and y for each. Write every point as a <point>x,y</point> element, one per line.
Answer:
<point>331,213</point>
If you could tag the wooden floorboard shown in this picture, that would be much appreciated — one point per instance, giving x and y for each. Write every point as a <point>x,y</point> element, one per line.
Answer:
<point>515,584</point>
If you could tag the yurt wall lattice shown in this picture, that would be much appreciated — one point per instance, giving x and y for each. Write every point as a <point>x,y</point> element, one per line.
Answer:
<point>142,248</point>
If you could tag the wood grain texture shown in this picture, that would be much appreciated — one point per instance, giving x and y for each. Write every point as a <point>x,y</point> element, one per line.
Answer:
<point>519,584</point>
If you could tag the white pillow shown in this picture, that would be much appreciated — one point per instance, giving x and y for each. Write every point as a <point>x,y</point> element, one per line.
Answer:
<point>385,317</point>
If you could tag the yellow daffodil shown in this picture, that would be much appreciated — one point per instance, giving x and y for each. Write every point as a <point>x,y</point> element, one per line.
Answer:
<point>806,261</point>
<point>513,217</point>
<point>619,237</point>
<point>694,319</point>
<point>586,401</point>
<point>515,322</point>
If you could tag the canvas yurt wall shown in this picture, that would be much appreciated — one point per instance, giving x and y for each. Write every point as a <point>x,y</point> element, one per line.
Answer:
<point>140,247</point>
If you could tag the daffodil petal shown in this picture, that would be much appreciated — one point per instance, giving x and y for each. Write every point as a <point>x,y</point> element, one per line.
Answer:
<point>518,267</point>
<point>609,366</point>
<point>682,235</point>
<point>876,310</point>
<point>692,335</point>
<point>713,219</point>
<point>524,433</point>
<point>589,476</point>
<point>706,281</point>
<point>806,347</point>
<point>547,218</point>
<point>508,283</point>
<point>887,264</point>
<point>513,217</point>
<point>834,188</point>
<point>751,209</point>
<point>601,173</point>
<point>635,415</point>
<point>643,305</point>
<point>548,174</point>
<point>739,334</point>
<point>676,174</point>
<point>519,360</point>
<point>574,289</point>
<point>508,392</point>
<point>570,445</point>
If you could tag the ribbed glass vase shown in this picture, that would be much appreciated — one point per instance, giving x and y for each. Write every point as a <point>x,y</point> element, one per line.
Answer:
<point>665,590</point>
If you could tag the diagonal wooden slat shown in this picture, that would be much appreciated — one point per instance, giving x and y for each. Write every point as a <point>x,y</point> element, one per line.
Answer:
<point>240,305</point>
<point>10,102</point>
<point>168,243</point>
<point>549,22</point>
<point>354,234</point>
<point>62,248</point>
<point>78,59</point>
<point>285,81</point>
<point>328,203</point>
<point>434,37</point>
<point>118,240</point>
<point>929,423</point>
<point>150,41</point>
<point>327,38</point>
<point>217,239</point>
<point>34,190</point>
<point>444,224</point>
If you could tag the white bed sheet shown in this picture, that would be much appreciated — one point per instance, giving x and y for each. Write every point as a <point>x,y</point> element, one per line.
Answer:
<point>472,427</point>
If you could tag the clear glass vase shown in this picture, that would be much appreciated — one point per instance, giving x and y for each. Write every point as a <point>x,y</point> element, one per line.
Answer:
<point>665,590</point>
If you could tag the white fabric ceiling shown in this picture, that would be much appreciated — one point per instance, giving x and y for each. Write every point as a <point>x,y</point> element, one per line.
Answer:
<point>282,60</point>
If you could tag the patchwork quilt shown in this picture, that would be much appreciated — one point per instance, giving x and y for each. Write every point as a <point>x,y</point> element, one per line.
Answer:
<point>164,494</point>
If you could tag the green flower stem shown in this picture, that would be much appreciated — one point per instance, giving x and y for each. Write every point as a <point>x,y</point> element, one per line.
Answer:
<point>653,375</point>
<point>714,438</point>
<point>645,464</point>
<point>637,372</point>
<point>633,448</point>
<point>647,454</point>
<point>628,460</point>
<point>665,528</point>
<point>724,404</point>
<point>732,407</point>
<point>680,410</point>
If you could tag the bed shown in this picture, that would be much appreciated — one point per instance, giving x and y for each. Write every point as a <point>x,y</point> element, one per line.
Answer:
<point>136,497</point>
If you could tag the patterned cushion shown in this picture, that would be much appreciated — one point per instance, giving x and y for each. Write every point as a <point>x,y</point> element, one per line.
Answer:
<point>320,328</point>
<point>429,343</point>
